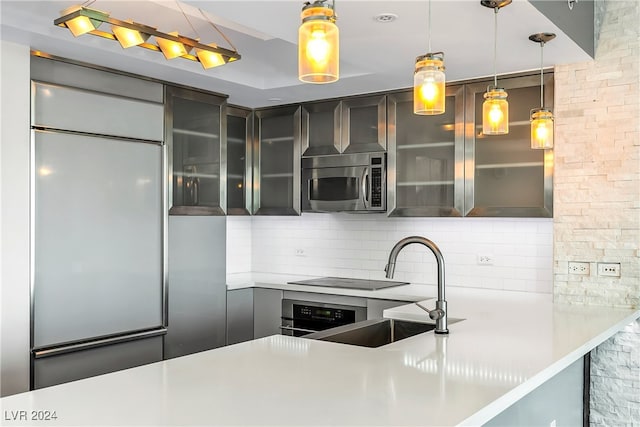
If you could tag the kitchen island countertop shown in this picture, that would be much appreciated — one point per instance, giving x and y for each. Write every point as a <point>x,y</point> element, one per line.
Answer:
<point>508,344</point>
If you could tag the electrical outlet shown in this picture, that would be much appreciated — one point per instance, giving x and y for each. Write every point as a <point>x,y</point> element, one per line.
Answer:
<point>579,267</point>
<point>299,252</point>
<point>485,259</point>
<point>610,269</point>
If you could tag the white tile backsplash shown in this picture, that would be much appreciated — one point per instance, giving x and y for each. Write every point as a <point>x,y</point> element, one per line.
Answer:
<point>359,245</point>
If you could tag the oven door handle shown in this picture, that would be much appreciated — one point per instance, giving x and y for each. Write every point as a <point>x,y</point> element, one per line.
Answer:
<point>291,328</point>
<point>365,186</point>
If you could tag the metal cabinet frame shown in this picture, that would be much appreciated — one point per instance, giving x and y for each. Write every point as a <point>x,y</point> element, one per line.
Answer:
<point>248,169</point>
<point>471,91</point>
<point>296,113</point>
<point>392,158</point>
<point>216,101</point>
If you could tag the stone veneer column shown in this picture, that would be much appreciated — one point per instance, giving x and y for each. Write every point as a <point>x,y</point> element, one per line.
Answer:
<point>597,198</point>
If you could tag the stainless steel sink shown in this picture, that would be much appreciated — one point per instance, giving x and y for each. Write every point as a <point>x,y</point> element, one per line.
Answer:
<point>372,333</point>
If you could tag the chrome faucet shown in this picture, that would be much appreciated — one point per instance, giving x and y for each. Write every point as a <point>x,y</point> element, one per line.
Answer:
<point>440,312</point>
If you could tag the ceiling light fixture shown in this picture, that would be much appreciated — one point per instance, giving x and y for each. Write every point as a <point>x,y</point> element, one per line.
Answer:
<point>83,20</point>
<point>318,43</point>
<point>495,109</point>
<point>429,81</point>
<point>541,118</point>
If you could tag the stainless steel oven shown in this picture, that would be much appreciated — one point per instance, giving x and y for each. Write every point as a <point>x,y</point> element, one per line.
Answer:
<point>304,317</point>
<point>345,183</point>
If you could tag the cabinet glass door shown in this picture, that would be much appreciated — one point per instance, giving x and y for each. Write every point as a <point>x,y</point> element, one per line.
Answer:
<point>507,177</point>
<point>426,157</point>
<point>239,161</point>
<point>321,128</point>
<point>276,180</point>
<point>197,143</point>
<point>364,124</point>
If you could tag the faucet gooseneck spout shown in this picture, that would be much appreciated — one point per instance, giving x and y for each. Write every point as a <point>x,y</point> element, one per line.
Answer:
<point>440,312</point>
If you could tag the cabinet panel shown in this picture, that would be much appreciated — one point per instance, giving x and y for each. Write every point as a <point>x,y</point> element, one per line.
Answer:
<point>364,124</point>
<point>504,176</point>
<point>239,162</point>
<point>196,137</point>
<point>267,312</point>
<point>276,175</point>
<point>321,128</point>
<point>239,315</point>
<point>426,157</point>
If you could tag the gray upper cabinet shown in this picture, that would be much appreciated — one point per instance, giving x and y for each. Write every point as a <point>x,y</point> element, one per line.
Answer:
<point>504,176</point>
<point>195,132</point>
<point>321,128</point>
<point>364,124</point>
<point>239,164</point>
<point>426,157</point>
<point>276,160</point>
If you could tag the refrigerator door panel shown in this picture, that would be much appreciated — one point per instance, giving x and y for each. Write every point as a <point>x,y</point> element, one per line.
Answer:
<point>54,370</point>
<point>197,284</point>
<point>80,110</point>
<point>98,237</point>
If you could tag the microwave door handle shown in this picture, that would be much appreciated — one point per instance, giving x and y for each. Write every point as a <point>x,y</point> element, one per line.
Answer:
<point>365,186</point>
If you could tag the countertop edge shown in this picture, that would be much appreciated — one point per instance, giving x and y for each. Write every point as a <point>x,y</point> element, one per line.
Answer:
<point>502,403</point>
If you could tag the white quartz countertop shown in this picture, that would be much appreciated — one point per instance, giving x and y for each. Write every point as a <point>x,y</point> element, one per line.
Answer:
<point>508,344</point>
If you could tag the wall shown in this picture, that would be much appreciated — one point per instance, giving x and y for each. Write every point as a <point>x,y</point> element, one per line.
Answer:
<point>359,245</point>
<point>14,218</point>
<point>597,198</point>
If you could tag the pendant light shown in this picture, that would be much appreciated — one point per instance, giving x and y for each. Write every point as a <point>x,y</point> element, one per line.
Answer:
<point>541,118</point>
<point>318,43</point>
<point>495,109</point>
<point>429,81</point>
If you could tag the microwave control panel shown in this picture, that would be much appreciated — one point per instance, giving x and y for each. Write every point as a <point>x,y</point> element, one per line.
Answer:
<point>376,181</point>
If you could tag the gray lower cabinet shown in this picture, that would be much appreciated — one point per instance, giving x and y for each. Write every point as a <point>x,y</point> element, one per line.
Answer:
<point>52,370</point>
<point>239,315</point>
<point>267,312</point>
<point>253,313</point>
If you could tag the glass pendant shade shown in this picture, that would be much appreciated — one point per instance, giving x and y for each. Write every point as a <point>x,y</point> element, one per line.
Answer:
<point>429,84</point>
<point>171,49</point>
<point>128,37</point>
<point>209,59</point>
<point>495,112</point>
<point>82,24</point>
<point>318,45</point>
<point>541,129</point>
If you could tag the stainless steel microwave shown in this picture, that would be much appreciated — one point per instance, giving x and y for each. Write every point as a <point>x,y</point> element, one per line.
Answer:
<point>345,183</point>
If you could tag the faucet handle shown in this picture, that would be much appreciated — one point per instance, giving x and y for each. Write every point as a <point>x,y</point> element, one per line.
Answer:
<point>434,314</point>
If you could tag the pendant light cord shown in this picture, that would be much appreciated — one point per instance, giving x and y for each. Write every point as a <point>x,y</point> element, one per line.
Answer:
<point>541,75</point>
<point>495,47</point>
<point>429,23</point>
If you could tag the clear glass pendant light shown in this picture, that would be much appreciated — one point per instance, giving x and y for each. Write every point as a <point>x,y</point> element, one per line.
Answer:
<point>541,118</point>
<point>429,81</point>
<point>318,43</point>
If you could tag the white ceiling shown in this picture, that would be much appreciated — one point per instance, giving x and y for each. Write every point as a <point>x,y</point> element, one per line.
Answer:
<point>374,56</point>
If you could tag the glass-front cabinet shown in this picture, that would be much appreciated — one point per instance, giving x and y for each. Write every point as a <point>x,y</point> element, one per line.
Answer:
<point>321,128</point>
<point>426,157</point>
<point>196,140</point>
<point>364,124</point>
<point>239,163</point>
<point>276,160</point>
<point>504,176</point>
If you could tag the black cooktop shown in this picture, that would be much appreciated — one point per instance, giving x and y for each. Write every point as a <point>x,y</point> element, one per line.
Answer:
<point>342,282</point>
